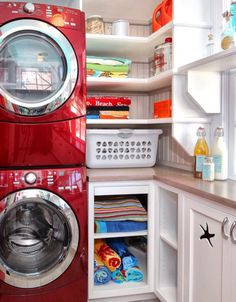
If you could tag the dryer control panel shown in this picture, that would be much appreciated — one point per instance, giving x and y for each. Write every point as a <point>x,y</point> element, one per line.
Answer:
<point>59,16</point>
<point>60,180</point>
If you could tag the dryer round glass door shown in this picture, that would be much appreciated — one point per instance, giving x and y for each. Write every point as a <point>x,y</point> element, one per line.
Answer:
<point>39,237</point>
<point>38,67</point>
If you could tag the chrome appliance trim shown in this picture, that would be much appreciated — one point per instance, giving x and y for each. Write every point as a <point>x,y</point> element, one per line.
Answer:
<point>62,95</point>
<point>45,197</point>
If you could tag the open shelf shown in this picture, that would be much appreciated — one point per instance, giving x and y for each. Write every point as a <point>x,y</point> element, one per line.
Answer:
<point>112,289</point>
<point>130,121</point>
<point>223,60</point>
<point>120,234</point>
<point>161,80</point>
<point>134,48</point>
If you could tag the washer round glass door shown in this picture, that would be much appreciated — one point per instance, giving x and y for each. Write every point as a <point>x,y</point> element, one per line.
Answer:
<point>38,67</point>
<point>39,237</point>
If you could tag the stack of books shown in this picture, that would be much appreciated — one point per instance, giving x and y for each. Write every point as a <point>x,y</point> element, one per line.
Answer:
<point>107,107</point>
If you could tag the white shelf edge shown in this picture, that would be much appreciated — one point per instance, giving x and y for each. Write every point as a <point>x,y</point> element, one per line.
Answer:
<point>221,61</point>
<point>168,294</point>
<point>130,121</point>
<point>120,234</point>
<point>168,240</point>
<point>132,47</point>
<point>161,80</point>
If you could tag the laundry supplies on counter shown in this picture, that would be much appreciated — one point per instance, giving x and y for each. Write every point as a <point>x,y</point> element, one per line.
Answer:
<point>107,67</point>
<point>102,275</point>
<point>108,107</point>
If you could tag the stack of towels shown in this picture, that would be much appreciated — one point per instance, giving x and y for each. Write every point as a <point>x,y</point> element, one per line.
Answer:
<point>107,67</point>
<point>119,214</point>
<point>108,107</point>
<point>113,261</point>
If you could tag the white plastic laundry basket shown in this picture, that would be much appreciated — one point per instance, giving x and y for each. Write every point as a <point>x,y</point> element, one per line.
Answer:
<point>121,148</point>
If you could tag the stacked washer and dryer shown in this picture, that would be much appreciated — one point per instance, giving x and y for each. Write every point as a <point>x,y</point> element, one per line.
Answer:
<point>43,200</point>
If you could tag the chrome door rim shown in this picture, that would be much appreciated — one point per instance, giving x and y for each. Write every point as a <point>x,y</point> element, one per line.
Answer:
<point>50,104</point>
<point>31,281</point>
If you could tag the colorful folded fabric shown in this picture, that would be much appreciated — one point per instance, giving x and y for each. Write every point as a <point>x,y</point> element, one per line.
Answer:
<point>119,226</point>
<point>102,275</point>
<point>128,260</point>
<point>107,67</point>
<point>113,115</point>
<point>92,117</point>
<point>117,276</point>
<point>108,256</point>
<point>119,209</point>
<point>108,108</point>
<point>108,101</point>
<point>133,274</point>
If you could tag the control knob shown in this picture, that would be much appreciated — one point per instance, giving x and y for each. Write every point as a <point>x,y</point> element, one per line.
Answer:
<point>29,8</point>
<point>30,178</point>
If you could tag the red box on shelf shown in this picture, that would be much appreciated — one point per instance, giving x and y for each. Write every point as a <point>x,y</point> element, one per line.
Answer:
<point>162,109</point>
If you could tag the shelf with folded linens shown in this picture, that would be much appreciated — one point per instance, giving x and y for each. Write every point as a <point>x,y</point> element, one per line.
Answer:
<point>161,80</point>
<point>126,280</point>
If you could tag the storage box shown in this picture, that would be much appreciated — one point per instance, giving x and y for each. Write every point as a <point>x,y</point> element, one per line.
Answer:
<point>121,148</point>
<point>162,109</point>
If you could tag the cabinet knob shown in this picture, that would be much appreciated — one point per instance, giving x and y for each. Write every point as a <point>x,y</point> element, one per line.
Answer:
<point>233,237</point>
<point>224,223</point>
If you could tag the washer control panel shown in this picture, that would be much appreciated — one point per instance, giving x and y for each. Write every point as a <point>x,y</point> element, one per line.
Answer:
<point>62,180</point>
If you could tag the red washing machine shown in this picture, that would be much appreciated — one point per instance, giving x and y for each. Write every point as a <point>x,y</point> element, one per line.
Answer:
<point>42,85</point>
<point>43,235</point>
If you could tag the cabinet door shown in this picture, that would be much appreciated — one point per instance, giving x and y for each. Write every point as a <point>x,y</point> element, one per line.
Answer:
<point>205,248</point>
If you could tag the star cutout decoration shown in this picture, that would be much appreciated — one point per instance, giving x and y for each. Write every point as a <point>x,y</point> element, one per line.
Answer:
<point>206,234</point>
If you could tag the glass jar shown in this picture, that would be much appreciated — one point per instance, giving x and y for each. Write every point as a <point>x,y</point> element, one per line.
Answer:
<point>208,172</point>
<point>163,56</point>
<point>95,25</point>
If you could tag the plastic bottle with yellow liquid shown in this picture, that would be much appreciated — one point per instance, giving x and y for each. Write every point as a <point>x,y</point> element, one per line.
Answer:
<point>201,150</point>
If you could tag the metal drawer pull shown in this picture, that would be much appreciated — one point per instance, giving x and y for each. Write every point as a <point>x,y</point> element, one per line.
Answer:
<point>232,231</point>
<point>225,221</point>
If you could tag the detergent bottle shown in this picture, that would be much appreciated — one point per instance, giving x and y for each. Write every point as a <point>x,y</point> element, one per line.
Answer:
<point>162,15</point>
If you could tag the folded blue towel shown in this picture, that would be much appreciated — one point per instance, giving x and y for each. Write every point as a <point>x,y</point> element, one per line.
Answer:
<point>119,226</point>
<point>127,259</point>
<point>92,117</point>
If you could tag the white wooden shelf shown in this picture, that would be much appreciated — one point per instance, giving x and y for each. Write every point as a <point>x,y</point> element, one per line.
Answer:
<point>138,49</point>
<point>120,234</point>
<point>168,240</point>
<point>130,122</point>
<point>112,289</point>
<point>168,294</point>
<point>161,80</point>
<point>221,61</point>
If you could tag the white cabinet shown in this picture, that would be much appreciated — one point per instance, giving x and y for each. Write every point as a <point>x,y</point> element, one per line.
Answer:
<point>209,251</point>
<point>166,244</point>
<point>145,192</point>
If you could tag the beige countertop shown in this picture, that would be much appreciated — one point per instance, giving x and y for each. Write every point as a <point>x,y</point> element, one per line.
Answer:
<point>218,191</point>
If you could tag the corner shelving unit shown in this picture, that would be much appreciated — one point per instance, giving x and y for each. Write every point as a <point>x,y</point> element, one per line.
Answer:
<point>167,245</point>
<point>130,121</point>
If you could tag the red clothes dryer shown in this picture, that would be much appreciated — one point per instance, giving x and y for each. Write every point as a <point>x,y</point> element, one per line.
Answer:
<point>43,234</point>
<point>42,85</point>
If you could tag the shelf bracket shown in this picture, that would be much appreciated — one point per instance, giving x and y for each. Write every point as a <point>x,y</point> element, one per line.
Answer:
<point>205,89</point>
